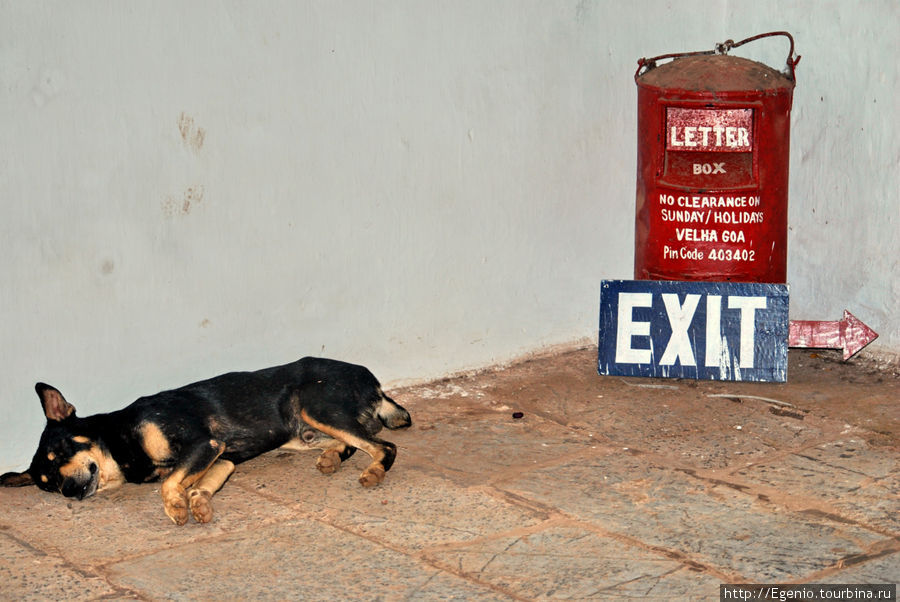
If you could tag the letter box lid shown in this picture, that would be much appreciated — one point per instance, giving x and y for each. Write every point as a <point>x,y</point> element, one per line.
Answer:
<point>715,73</point>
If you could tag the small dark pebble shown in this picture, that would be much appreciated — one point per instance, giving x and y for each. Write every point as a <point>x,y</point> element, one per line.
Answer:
<point>518,415</point>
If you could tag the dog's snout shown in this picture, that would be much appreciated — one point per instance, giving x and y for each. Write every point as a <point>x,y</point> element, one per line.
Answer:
<point>83,485</point>
<point>74,488</point>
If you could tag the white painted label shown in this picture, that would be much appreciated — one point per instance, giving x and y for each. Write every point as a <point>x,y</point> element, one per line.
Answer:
<point>728,130</point>
<point>710,219</point>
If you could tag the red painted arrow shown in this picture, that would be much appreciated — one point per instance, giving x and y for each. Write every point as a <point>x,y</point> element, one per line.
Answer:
<point>849,334</point>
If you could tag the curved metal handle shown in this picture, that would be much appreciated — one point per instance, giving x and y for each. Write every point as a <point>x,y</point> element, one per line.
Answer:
<point>723,48</point>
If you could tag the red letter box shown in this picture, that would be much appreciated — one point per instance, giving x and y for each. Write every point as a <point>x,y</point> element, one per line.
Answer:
<point>712,182</point>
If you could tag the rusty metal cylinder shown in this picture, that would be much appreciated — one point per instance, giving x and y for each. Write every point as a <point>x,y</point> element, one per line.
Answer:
<point>713,156</point>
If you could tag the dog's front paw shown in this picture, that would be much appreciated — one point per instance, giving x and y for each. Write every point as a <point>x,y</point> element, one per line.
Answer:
<point>175,504</point>
<point>372,475</point>
<point>201,505</point>
<point>329,461</point>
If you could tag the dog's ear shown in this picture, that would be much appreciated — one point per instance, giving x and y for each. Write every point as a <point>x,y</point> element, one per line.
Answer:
<point>16,479</point>
<point>55,405</point>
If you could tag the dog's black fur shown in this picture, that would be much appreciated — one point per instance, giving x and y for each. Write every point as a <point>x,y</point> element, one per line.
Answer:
<point>192,437</point>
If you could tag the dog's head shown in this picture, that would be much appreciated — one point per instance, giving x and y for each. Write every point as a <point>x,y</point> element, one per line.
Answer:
<point>67,460</point>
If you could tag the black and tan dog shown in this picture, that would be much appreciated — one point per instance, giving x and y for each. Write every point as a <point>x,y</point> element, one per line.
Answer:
<point>192,437</point>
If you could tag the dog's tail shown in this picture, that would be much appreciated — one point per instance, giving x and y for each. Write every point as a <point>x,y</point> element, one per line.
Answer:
<point>391,413</point>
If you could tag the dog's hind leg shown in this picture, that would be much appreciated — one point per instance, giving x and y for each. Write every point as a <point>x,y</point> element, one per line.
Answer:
<point>335,451</point>
<point>354,435</point>
<point>187,473</point>
<point>200,495</point>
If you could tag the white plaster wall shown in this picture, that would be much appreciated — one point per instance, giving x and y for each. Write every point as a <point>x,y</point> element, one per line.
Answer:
<point>194,187</point>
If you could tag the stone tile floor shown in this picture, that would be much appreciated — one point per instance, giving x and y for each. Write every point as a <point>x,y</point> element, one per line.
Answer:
<point>605,488</point>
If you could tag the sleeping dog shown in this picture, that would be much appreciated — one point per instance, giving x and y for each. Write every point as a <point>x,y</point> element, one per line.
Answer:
<point>192,437</point>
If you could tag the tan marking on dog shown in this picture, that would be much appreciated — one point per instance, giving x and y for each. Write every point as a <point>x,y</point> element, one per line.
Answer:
<point>51,456</point>
<point>44,478</point>
<point>216,476</point>
<point>76,464</point>
<point>155,444</point>
<point>110,475</point>
<point>81,439</point>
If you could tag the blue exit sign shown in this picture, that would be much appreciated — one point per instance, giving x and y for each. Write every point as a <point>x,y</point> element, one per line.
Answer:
<point>703,330</point>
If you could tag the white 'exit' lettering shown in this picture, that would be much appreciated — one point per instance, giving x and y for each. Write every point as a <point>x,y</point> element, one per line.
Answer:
<point>680,316</point>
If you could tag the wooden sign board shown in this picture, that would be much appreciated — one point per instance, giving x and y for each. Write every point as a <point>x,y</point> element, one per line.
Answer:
<point>702,330</point>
